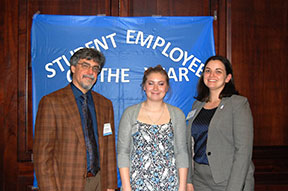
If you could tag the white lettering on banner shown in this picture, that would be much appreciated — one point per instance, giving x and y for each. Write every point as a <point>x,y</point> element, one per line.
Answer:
<point>200,69</point>
<point>186,59</point>
<point>165,49</point>
<point>176,54</point>
<point>159,42</point>
<point>59,61</point>
<point>109,74</point>
<point>172,74</point>
<point>103,44</point>
<point>66,60</point>
<point>128,36</point>
<point>75,50</point>
<point>122,74</point>
<point>183,73</point>
<point>87,44</point>
<point>143,42</point>
<point>193,63</point>
<point>172,53</point>
<point>52,70</point>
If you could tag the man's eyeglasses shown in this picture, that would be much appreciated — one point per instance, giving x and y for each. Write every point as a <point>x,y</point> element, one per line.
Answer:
<point>86,66</point>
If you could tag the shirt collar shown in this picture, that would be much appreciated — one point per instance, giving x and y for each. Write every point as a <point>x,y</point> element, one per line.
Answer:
<point>77,93</point>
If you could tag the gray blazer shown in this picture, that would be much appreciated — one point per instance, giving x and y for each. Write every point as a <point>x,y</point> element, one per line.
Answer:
<point>229,144</point>
<point>129,119</point>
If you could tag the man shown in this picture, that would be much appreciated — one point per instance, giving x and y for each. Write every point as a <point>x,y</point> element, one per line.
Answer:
<point>74,143</point>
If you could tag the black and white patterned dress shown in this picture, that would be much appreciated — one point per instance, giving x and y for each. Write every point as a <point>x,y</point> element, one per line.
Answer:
<point>153,164</point>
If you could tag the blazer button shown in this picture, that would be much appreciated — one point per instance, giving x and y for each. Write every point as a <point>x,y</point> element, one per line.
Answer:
<point>209,153</point>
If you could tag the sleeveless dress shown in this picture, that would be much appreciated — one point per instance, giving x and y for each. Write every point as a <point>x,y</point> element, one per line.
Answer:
<point>153,164</point>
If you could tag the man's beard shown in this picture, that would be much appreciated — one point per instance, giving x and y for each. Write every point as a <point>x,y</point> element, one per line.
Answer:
<point>90,85</point>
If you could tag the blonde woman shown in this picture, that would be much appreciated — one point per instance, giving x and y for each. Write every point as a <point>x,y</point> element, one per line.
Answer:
<point>152,146</point>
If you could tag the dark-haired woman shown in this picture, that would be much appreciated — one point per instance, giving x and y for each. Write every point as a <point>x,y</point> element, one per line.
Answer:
<point>220,139</point>
<point>152,144</point>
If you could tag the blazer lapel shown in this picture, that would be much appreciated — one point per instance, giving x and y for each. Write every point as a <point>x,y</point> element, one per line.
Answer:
<point>218,114</point>
<point>72,111</point>
<point>196,109</point>
<point>100,122</point>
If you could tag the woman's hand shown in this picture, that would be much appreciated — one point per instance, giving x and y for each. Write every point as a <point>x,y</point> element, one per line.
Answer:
<point>182,179</point>
<point>182,188</point>
<point>125,179</point>
<point>190,187</point>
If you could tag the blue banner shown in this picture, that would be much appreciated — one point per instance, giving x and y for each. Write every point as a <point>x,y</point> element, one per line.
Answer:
<point>130,44</point>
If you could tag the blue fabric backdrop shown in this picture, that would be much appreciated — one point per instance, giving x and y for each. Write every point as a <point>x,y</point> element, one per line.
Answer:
<point>130,44</point>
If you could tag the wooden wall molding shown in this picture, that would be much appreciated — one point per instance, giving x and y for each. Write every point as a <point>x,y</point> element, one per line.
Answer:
<point>25,129</point>
<point>271,167</point>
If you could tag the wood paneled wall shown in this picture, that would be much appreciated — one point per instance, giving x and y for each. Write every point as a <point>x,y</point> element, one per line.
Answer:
<point>252,33</point>
<point>9,92</point>
<point>260,59</point>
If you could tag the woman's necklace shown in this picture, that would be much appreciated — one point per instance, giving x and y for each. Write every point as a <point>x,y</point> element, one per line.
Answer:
<point>155,122</point>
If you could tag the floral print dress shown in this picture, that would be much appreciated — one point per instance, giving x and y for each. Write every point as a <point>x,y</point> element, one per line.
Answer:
<point>153,164</point>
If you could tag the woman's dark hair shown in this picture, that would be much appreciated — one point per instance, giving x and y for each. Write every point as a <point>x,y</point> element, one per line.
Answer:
<point>229,88</point>
<point>156,69</point>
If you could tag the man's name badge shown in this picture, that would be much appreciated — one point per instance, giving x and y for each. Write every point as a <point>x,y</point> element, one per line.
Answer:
<point>191,114</point>
<point>107,129</point>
